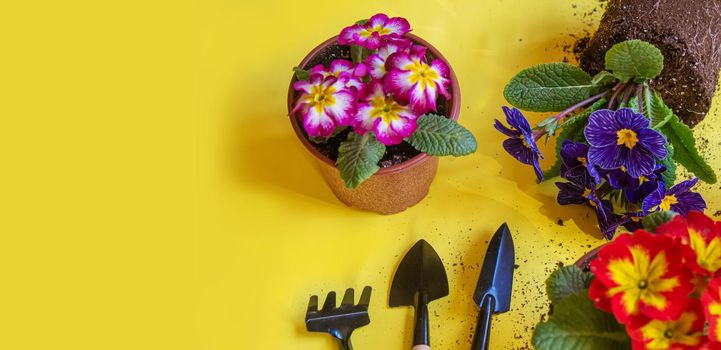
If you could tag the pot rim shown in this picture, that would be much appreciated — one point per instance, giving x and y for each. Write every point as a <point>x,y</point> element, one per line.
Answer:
<point>454,112</point>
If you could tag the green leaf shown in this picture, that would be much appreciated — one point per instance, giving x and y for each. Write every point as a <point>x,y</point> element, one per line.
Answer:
<point>566,281</point>
<point>604,78</point>
<point>549,87</point>
<point>437,135</point>
<point>577,324</point>
<point>685,153</point>
<point>669,176</point>
<point>574,133</point>
<point>301,74</point>
<point>652,221</point>
<point>655,109</point>
<point>358,158</point>
<point>359,53</point>
<point>634,60</point>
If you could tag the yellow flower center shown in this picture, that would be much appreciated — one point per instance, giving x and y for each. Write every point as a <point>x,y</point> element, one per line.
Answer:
<point>320,97</point>
<point>642,179</point>
<point>708,256</point>
<point>366,33</point>
<point>627,137</point>
<point>422,74</point>
<point>385,107</point>
<point>640,279</point>
<point>664,334</point>
<point>667,201</point>
<point>582,160</point>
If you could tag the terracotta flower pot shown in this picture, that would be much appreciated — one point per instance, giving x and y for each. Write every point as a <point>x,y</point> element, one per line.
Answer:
<point>392,189</point>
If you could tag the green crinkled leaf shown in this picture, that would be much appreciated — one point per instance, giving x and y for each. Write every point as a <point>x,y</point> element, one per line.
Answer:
<point>685,153</point>
<point>572,130</point>
<point>655,109</point>
<point>578,325</point>
<point>301,74</point>
<point>439,136</point>
<point>358,158</point>
<point>566,281</point>
<point>549,87</point>
<point>604,78</point>
<point>634,60</point>
<point>652,221</point>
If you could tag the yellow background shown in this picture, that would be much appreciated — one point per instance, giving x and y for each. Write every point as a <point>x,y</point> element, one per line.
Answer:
<point>154,196</point>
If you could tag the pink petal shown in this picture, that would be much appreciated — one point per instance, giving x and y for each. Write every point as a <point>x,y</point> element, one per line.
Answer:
<point>398,60</point>
<point>349,34</point>
<point>338,66</point>
<point>389,135</point>
<point>422,100</point>
<point>377,20</point>
<point>376,66</point>
<point>403,127</point>
<point>317,123</point>
<point>373,42</point>
<point>419,52</point>
<point>441,68</point>
<point>360,70</point>
<point>319,69</point>
<point>302,85</point>
<point>398,26</point>
<point>344,107</point>
<point>374,89</point>
<point>363,121</point>
<point>397,82</point>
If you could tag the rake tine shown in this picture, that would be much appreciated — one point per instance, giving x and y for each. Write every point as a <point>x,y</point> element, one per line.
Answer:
<point>329,302</point>
<point>365,298</point>
<point>348,297</point>
<point>313,304</point>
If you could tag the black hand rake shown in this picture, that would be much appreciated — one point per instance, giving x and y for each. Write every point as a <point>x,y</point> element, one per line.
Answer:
<point>340,321</point>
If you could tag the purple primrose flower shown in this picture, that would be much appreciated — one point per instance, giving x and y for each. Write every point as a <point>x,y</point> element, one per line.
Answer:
<point>574,157</point>
<point>521,143</point>
<point>582,190</point>
<point>678,198</point>
<point>623,138</point>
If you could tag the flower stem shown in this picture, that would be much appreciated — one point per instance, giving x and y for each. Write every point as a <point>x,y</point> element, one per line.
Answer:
<point>583,103</point>
<point>616,90</point>
<point>639,93</point>
<point>627,94</point>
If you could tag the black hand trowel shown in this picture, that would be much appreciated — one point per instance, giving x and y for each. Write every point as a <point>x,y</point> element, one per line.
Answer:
<point>419,279</point>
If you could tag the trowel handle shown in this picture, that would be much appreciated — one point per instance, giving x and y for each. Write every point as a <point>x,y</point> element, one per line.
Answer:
<point>483,329</point>
<point>345,344</point>
<point>421,330</point>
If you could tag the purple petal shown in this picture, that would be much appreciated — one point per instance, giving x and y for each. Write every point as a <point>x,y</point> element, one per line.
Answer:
<point>654,198</point>
<point>627,119</point>
<point>377,20</point>
<point>537,170</point>
<point>515,118</point>
<point>601,129</point>
<point>653,141</point>
<point>683,187</point>
<point>569,194</point>
<point>517,150</point>
<point>504,130</point>
<point>638,161</point>
<point>607,157</point>
<point>688,202</point>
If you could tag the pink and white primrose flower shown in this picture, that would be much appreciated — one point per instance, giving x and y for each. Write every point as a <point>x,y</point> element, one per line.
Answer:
<point>346,71</point>
<point>410,78</point>
<point>377,62</point>
<point>389,120</point>
<point>325,103</point>
<point>371,34</point>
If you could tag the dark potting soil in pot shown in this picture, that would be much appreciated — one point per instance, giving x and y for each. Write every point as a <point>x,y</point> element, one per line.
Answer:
<point>395,154</point>
<point>688,32</point>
